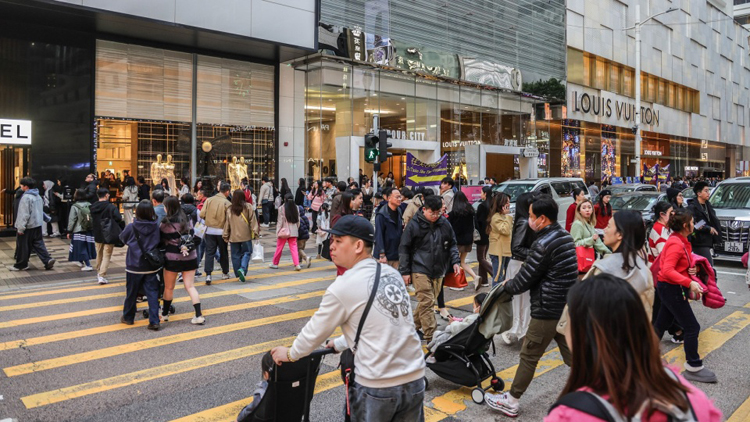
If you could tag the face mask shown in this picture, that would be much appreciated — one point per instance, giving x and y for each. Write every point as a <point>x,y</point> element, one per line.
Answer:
<point>532,224</point>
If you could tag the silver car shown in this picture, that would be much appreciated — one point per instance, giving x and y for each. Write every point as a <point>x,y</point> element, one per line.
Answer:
<point>560,188</point>
<point>731,201</point>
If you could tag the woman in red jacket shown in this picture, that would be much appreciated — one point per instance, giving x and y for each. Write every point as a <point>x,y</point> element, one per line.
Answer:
<point>674,287</point>
<point>603,211</point>
<point>578,196</point>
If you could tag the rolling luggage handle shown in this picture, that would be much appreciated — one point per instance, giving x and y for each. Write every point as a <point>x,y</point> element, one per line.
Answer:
<point>321,353</point>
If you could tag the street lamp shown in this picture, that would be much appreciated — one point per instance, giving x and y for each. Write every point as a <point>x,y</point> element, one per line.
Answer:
<point>637,116</point>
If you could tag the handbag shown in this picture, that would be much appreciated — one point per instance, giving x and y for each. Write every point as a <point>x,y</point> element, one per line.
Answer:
<point>477,236</point>
<point>325,251</point>
<point>257,255</point>
<point>111,231</point>
<point>456,280</point>
<point>154,257</point>
<point>284,233</point>
<point>200,229</point>
<point>252,229</point>
<point>586,256</point>
<point>346,362</point>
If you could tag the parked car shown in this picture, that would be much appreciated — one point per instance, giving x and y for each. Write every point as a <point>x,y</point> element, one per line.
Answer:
<point>641,201</point>
<point>731,201</point>
<point>630,187</point>
<point>561,189</point>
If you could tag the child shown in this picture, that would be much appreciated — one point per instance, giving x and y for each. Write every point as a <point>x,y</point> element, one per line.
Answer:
<point>455,326</point>
<point>323,225</point>
<point>266,364</point>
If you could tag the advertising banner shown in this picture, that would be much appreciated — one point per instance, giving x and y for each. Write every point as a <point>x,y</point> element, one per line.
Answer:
<point>419,173</point>
<point>473,193</point>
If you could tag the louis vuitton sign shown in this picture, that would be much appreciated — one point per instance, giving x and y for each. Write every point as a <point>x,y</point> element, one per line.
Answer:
<point>597,105</point>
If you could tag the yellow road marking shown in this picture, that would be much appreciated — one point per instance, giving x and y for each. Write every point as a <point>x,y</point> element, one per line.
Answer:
<point>229,411</point>
<point>132,378</point>
<point>43,365</point>
<point>89,312</point>
<point>742,414</point>
<point>44,291</point>
<point>711,338</point>
<point>34,341</point>
<point>37,305</point>
<point>457,303</point>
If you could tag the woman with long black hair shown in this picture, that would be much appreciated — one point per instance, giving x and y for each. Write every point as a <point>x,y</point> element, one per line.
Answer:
<point>299,196</point>
<point>603,211</point>
<point>461,218</point>
<point>483,244</point>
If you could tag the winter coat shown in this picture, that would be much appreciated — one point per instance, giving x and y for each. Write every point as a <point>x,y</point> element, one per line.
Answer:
<point>238,229</point>
<point>412,209</point>
<point>191,212</point>
<point>570,216</point>
<point>639,277</point>
<point>170,239</point>
<point>602,220</point>
<point>673,262</point>
<point>387,234</point>
<point>522,239</point>
<point>50,200</point>
<point>101,210</point>
<point>130,197</point>
<point>702,237</point>
<point>144,192</point>
<point>706,277</point>
<point>480,223</point>
<point>548,273</point>
<point>91,191</point>
<point>282,222</point>
<point>448,197</point>
<point>299,196</point>
<point>463,228</point>
<point>30,212</point>
<point>336,203</point>
<point>150,237</point>
<point>304,224</point>
<point>214,211</point>
<point>501,226</point>
<point>583,234</point>
<point>427,248</point>
<point>74,222</point>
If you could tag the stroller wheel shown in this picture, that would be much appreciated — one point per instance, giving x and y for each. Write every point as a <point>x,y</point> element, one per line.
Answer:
<point>145,314</point>
<point>426,383</point>
<point>477,395</point>
<point>497,384</point>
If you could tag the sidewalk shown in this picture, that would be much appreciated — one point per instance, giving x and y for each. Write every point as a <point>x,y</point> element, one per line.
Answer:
<point>65,272</point>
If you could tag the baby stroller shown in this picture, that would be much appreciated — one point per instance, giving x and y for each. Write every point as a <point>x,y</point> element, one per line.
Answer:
<point>463,359</point>
<point>290,390</point>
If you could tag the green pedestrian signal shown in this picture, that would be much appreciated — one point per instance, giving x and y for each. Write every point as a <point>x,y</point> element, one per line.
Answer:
<point>371,148</point>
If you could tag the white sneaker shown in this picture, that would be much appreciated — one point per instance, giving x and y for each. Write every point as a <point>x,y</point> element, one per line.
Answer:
<point>309,262</point>
<point>164,318</point>
<point>507,339</point>
<point>265,226</point>
<point>102,280</point>
<point>199,320</point>
<point>297,268</point>
<point>273,267</point>
<point>503,402</point>
<point>458,289</point>
<point>80,264</point>
<point>225,276</point>
<point>87,268</point>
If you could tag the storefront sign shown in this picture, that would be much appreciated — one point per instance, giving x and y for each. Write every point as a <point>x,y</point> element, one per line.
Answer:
<point>459,144</point>
<point>403,135</point>
<point>419,173</point>
<point>530,152</point>
<point>473,193</point>
<point>691,168</point>
<point>652,152</point>
<point>15,132</point>
<point>606,107</point>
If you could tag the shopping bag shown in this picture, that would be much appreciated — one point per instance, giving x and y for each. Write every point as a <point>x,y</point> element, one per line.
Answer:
<point>456,280</point>
<point>586,257</point>
<point>257,255</point>
<point>200,229</point>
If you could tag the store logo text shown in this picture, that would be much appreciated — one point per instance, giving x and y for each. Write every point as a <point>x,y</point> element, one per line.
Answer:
<point>598,106</point>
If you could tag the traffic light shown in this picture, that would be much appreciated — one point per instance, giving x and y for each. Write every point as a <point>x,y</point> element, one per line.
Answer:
<point>383,146</point>
<point>371,147</point>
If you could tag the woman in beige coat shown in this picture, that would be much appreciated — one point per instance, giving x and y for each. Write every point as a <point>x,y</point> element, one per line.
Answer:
<point>240,228</point>
<point>500,229</point>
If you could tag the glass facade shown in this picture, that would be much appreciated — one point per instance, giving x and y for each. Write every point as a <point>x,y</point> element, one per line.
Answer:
<point>144,110</point>
<point>427,117</point>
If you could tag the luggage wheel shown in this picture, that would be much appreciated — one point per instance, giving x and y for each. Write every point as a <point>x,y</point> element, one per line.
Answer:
<point>477,395</point>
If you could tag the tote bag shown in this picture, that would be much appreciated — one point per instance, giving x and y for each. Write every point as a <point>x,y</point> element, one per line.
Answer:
<point>586,257</point>
<point>456,280</point>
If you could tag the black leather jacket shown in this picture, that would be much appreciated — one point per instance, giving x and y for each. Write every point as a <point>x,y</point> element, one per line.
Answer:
<point>522,239</point>
<point>549,271</point>
<point>702,237</point>
<point>427,248</point>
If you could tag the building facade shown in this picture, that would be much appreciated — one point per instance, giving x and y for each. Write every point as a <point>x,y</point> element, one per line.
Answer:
<point>695,85</point>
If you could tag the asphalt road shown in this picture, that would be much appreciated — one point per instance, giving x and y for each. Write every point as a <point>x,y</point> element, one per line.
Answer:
<point>65,356</point>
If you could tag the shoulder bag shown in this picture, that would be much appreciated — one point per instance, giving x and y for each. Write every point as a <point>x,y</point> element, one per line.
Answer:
<point>155,256</point>
<point>346,362</point>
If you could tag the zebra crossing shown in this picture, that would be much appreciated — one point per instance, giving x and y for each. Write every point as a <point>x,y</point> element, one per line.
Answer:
<point>64,356</point>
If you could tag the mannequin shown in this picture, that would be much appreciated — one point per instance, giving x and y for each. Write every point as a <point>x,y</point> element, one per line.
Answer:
<point>242,168</point>
<point>233,173</point>
<point>157,170</point>
<point>168,173</point>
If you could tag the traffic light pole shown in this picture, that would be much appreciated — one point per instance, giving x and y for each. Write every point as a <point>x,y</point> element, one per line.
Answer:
<point>376,164</point>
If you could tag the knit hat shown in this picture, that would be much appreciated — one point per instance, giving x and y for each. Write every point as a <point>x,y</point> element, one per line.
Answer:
<point>604,193</point>
<point>672,194</point>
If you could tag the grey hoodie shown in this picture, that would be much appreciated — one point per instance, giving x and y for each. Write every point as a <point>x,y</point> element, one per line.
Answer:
<point>30,214</point>
<point>640,277</point>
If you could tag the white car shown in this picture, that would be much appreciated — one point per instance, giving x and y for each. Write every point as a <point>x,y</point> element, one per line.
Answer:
<point>561,189</point>
<point>731,202</point>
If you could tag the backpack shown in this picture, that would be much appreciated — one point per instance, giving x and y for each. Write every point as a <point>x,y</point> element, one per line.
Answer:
<point>84,217</point>
<point>594,405</point>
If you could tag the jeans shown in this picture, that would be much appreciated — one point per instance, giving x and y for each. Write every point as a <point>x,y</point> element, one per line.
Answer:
<point>485,267</point>
<point>213,242</point>
<point>30,240</point>
<point>499,265</point>
<point>292,248</point>
<point>150,285</point>
<point>540,334</point>
<point>267,211</point>
<point>675,308</point>
<point>241,252</point>
<point>402,403</point>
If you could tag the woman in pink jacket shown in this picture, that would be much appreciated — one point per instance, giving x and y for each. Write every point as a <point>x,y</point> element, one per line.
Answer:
<point>616,362</point>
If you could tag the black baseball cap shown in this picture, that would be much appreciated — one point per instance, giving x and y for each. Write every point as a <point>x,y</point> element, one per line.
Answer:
<point>355,226</point>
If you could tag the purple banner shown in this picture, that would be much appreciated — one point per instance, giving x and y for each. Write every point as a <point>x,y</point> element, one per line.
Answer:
<point>419,173</point>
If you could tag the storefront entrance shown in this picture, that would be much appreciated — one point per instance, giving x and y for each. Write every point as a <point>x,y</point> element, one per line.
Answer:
<point>14,164</point>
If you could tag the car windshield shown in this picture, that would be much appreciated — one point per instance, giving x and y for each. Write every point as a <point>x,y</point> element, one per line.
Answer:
<point>734,196</point>
<point>514,190</point>
<point>633,203</point>
<point>622,189</point>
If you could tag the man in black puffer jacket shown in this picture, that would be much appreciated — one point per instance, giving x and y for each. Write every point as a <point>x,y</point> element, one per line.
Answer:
<point>428,248</point>
<point>550,270</point>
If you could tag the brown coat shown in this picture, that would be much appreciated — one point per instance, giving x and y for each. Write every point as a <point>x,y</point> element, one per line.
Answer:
<point>241,228</point>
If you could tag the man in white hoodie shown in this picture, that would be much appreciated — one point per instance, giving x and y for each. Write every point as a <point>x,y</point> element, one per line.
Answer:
<point>389,364</point>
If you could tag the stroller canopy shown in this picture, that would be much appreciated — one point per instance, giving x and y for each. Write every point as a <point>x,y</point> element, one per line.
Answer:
<point>496,315</point>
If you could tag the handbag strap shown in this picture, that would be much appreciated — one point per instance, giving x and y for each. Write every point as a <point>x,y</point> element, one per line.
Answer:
<point>367,308</point>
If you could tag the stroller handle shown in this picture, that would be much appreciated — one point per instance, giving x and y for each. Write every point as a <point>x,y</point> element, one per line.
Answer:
<point>322,352</point>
